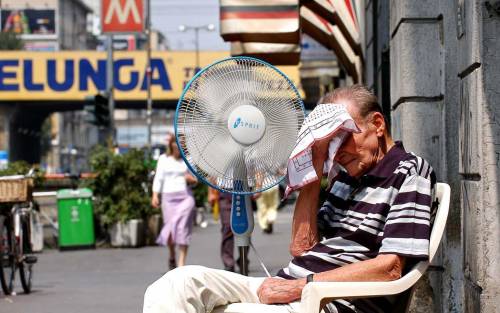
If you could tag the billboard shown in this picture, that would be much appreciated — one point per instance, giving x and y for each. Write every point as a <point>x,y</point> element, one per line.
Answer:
<point>73,75</point>
<point>28,21</point>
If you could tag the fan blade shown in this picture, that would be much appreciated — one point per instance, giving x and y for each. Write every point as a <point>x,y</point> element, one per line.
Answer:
<point>216,157</point>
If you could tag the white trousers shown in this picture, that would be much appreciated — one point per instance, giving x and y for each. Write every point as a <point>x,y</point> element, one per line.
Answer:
<point>198,289</point>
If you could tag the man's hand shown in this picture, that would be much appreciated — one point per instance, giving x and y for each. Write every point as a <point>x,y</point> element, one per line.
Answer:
<point>277,290</point>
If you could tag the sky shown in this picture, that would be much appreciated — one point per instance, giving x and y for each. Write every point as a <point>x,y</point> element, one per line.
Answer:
<point>167,15</point>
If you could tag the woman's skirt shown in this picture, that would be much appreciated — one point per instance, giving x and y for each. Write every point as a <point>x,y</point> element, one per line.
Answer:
<point>178,216</point>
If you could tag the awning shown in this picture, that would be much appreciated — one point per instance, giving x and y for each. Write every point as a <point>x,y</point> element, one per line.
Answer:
<point>274,53</point>
<point>331,37</point>
<point>272,21</point>
<point>270,29</point>
<point>341,13</point>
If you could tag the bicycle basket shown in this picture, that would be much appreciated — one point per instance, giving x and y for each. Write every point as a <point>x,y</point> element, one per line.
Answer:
<point>15,190</point>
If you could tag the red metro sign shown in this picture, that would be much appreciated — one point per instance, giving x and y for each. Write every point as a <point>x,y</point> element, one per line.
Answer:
<point>122,16</point>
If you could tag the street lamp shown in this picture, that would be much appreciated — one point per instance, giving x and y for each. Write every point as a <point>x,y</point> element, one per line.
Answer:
<point>208,27</point>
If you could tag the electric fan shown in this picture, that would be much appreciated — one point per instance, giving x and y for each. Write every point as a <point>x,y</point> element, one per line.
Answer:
<point>236,124</point>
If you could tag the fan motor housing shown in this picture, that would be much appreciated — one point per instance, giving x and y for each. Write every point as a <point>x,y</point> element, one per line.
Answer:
<point>246,124</point>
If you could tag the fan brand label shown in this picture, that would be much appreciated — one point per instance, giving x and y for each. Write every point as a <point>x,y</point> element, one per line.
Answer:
<point>241,123</point>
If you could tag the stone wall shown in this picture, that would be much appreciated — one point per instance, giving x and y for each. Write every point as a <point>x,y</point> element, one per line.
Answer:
<point>445,78</point>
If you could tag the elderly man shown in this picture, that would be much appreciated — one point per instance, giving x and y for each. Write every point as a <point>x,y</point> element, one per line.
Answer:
<point>374,224</point>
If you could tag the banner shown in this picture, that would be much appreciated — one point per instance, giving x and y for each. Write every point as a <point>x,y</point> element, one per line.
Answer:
<point>28,21</point>
<point>73,75</point>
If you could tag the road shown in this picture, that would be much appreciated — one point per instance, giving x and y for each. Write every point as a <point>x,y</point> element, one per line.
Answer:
<point>114,280</point>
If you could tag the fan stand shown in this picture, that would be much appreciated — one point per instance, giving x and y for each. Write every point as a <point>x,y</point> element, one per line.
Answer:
<point>243,94</point>
<point>244,262</point>
<point>242,225</point>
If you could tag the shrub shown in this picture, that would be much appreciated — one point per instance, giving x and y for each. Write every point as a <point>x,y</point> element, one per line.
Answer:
<point>121,185</point>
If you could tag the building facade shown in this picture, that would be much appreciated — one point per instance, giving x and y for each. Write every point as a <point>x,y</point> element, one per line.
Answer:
<point>45,25</point>
<point>435,66</point>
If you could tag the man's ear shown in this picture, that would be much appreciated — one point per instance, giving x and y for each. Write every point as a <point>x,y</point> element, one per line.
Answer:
<point>379,122</point>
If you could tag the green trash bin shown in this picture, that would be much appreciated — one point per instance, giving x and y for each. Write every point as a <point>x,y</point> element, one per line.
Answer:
<point>76,219</point>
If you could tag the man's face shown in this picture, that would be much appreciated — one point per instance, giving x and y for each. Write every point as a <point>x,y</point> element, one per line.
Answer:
<point>360,151</point>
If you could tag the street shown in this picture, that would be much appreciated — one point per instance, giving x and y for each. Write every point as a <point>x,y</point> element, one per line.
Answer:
<point>114,280</point>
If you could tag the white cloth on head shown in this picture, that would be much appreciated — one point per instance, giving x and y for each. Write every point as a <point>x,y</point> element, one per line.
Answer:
<point>323,121</point>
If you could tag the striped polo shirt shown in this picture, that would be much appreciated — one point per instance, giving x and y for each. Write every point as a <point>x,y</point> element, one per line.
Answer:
<point>386,211</point>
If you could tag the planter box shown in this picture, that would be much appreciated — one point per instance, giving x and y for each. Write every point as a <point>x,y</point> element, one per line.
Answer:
<point>128,234</point>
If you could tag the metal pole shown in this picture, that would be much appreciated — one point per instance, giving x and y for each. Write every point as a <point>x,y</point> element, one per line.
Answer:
<point>149,112</point>
<point>243,260</point>
<point>197,49</point>
<point>110,85</point>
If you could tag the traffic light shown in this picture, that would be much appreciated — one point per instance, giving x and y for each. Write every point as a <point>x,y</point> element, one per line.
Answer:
<point>97,110</point>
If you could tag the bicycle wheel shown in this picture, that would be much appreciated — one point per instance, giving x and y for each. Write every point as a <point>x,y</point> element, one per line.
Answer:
<point>8,264</point>
<point>25,267</point>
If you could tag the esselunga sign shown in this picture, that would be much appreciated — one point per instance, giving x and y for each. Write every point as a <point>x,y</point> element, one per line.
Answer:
<point>73,75</point>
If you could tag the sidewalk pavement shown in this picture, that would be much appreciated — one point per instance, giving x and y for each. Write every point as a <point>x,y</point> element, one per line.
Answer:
<point>114,280</point>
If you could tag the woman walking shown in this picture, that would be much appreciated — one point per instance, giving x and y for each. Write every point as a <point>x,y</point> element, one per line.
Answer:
<point>177,203</point>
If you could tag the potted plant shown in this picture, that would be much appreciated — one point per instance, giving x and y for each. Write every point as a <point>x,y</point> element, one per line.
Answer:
<point>121,188</point>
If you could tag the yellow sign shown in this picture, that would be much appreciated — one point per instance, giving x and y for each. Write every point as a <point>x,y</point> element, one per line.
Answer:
<point>73,75</point>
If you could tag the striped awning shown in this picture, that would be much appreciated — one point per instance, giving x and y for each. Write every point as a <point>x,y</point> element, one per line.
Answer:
<point>274,53</point>
<point>341,13</point>
<point>270,29</point>
<point>271,21</point>
<point>331,37</point>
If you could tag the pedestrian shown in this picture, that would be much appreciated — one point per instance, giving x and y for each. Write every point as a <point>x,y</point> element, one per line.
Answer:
<point>267,208</point>
<point>374,225</point>
<point>224,201</point>
<point>171,190</point>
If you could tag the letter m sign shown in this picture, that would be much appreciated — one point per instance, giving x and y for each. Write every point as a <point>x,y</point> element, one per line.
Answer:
<point>122,16</point>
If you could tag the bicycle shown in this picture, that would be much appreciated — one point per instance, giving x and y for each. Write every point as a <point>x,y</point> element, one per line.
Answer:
<point>15,232</point>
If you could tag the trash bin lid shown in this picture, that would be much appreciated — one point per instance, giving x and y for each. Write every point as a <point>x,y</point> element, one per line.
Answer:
<point>74,193</point>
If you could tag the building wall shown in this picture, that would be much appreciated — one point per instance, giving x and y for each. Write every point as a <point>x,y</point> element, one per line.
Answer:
<point>4,128</point>
<point>73,25</point>
<point>73,134</point>
<point>479,150</point>
<point>376,51</point>
<point>445,73</point>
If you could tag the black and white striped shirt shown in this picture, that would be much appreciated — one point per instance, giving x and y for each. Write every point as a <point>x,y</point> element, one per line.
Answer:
<point>386,211</point>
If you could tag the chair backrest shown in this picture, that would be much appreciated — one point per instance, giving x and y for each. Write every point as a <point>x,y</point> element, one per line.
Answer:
<point>443,197</point>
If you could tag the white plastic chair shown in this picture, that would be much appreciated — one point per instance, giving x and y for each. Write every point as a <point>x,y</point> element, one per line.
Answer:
<point>315,292</point>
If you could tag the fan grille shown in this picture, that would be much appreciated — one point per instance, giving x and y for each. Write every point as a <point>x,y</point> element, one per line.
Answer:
<point>203,135</point>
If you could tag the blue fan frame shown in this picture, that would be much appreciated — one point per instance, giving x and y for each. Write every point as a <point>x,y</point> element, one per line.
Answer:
<point>188,85</point>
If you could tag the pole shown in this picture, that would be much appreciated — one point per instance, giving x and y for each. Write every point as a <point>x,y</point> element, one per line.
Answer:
<point>110,85</point>
<point>197,49</point>
<point>149,112</point>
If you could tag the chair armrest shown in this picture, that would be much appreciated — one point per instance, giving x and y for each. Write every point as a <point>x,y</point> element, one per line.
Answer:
<point>314,292</point>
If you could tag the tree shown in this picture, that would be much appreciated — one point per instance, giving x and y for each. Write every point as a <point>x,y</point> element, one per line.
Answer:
<point>10,41</point>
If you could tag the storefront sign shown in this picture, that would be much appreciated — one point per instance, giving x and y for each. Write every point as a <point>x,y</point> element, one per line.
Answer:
<point>73,75</point>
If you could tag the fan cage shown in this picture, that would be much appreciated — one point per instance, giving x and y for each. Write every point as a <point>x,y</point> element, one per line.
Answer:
<point>199,122</point>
